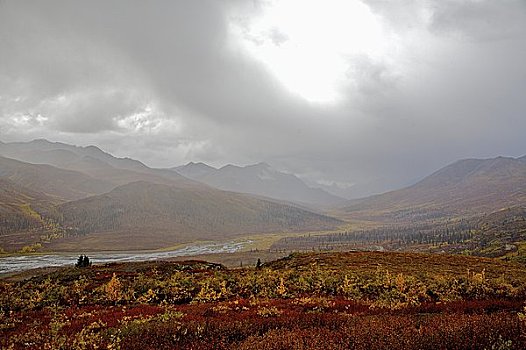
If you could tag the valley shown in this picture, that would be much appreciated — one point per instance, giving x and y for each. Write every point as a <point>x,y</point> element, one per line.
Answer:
<point>82,199</point>
<point>121,204</point>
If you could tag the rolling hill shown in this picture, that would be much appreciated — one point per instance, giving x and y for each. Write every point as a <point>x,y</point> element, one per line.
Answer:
<point>143,215</point>
<point>260,179</point>
<point>466,187</point>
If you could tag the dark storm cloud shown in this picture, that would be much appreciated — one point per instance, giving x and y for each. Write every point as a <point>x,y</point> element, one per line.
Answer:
<point>166,82</point>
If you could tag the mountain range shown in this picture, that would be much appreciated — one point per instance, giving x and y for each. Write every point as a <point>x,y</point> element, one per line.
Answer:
<point>69,198</point>
<point>104,202</point>
<point>260,179</point>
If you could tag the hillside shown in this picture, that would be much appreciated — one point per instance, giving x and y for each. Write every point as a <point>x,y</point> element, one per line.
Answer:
<point>54,182</point>
<point>499,234</point>
<point>25,216</point>
<point>21,208</point>
<point>144,215</point>
<point>260,179</point>
<point>467,187</point>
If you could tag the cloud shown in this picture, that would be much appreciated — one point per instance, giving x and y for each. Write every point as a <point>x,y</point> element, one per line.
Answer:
<point>167,82</point>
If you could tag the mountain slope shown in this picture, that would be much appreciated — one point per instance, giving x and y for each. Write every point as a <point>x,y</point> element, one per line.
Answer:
<point>466,187</point>
<point>144,215</point>
<point>21,208</point>
<point>59,154</point>
<point>259,179</point>
<point>58,183</point>
<point>89,160</point>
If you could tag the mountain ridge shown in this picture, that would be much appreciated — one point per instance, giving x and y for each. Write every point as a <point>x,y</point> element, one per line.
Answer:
<point>464,187</point>
<point>91,161</point>
<point>30,152</point>
<point>259,179</point>
<point>60,183</point>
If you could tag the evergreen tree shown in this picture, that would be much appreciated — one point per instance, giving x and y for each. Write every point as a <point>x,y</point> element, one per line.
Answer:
<point>80,261</point>
<point>83,261</point>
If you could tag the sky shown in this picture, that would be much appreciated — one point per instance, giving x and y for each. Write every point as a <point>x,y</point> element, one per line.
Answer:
<point>370,95</point>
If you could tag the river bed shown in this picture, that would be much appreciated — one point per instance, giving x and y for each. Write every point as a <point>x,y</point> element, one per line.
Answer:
<point>17,263</point>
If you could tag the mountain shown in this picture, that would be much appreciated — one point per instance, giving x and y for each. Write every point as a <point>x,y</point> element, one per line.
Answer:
<point>91,161</point>
<point>259,179</point>
<point>59,154</point>
<point>143,215</point>
<point>58,183</point>
<point>466,187</point>
<point>195,170</point>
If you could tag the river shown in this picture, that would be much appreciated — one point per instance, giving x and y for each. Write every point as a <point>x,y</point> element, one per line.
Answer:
<point>18,263</point>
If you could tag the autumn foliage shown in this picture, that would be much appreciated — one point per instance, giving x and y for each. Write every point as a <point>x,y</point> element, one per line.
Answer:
<point>305,301</point>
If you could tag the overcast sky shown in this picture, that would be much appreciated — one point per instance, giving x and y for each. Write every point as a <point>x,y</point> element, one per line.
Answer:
<point>377,91</point>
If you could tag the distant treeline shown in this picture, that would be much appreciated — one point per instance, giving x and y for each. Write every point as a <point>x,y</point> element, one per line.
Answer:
<point>15,222</point>
<point>506,226</point>
<point>396,236</point>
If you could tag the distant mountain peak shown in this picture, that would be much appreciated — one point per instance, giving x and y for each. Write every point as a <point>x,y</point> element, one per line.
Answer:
<point>94,148</point>
<point>194,170</point>
<point>38,142</point>
<point>198,164</point>
<point>259,179</point>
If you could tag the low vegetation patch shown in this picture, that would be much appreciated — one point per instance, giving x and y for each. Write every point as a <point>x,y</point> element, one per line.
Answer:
<point>305,301</point>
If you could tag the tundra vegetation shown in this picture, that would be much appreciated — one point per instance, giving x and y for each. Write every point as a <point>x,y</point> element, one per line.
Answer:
<point>359,300</point>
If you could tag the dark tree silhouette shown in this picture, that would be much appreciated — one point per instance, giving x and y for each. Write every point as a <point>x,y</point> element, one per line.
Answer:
<point>80,261</point>
<point>83,261</point>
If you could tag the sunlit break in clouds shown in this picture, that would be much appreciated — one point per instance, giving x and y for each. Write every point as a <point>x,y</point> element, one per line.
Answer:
<point>309,45</point>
